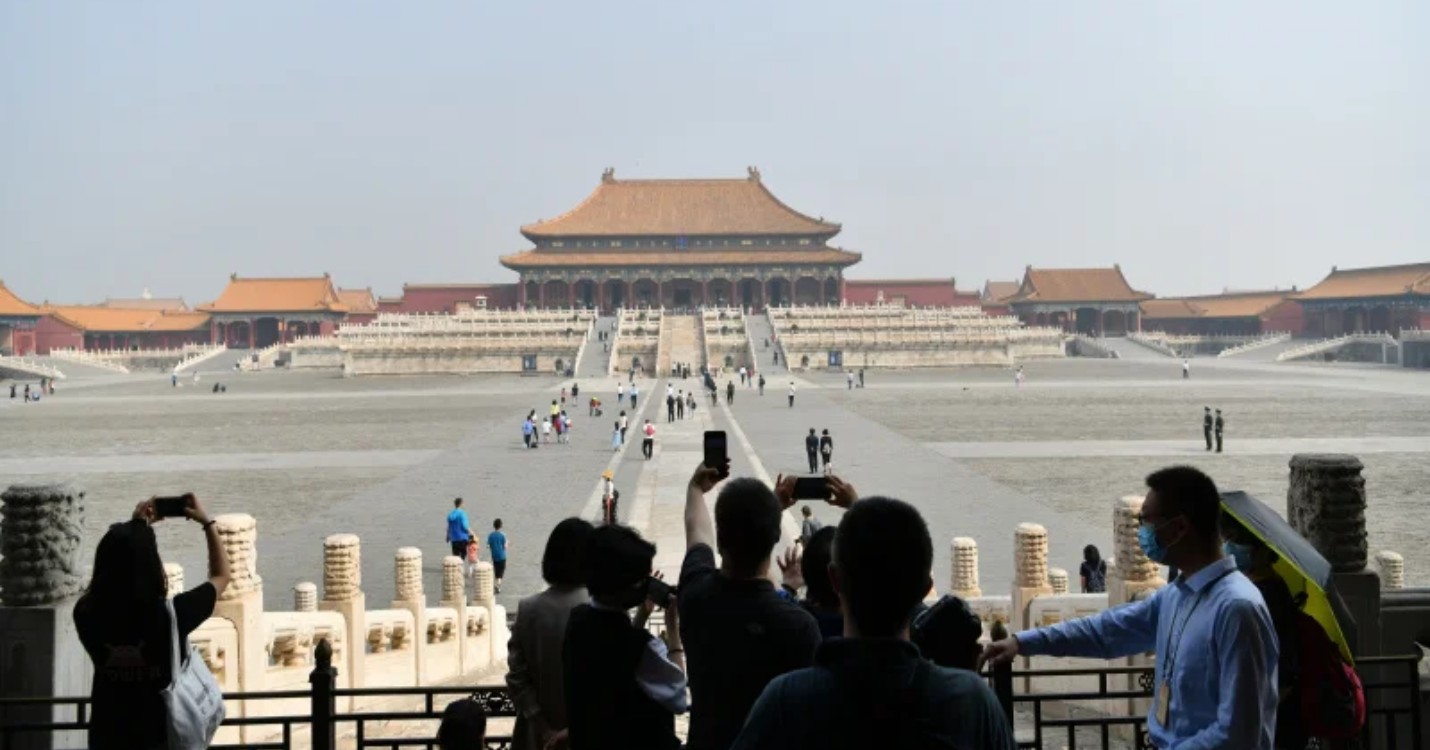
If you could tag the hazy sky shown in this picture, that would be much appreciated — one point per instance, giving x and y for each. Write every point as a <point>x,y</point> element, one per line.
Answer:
<point>1201,144</point>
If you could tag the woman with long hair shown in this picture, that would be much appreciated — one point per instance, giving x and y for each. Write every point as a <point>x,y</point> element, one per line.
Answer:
<point>1093,571</point>
<point>124,625</point>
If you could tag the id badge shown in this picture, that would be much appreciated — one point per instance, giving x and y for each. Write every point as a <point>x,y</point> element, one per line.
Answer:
<point>1164,701</point>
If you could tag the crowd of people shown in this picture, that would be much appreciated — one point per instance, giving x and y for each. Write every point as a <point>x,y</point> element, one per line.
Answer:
<point>46,386</point>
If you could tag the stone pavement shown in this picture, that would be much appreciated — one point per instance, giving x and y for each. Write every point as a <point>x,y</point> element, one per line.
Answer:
<point>1184,448</point>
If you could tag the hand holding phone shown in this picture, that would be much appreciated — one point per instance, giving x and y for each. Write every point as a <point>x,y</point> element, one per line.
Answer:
<point>717,452</point>
<point>173,506</point>
<point>659,592</point>
<point>811,488</point>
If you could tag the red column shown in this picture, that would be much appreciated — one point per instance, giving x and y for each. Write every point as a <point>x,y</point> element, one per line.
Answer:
<point>704,292</point>
<point>541,295</point>
<point>521,292</point>
<point>251,325</point>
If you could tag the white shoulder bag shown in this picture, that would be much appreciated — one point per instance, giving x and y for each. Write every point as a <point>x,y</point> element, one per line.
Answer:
<point>193,699</point>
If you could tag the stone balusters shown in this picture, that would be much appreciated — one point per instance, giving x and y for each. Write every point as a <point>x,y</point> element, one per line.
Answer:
<point>1392,569</point>
<point>174,578</point>
<point>238,533</point>
<point>1058,579</point>
<point>1326,503</point>
<point>40,544</point>
<point>1030,577</point>
<point>454,597</point>
<point>305,597</point>
<point>409,575</point>
<point>484,585</point>
<point>411,597</point>
<point>342,593</point>
<point>1134,573</point>
<point>964,583</point>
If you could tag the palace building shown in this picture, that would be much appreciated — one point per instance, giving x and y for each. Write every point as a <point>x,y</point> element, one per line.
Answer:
<point>1094,301</point>
<point>680,244</point>
<point>1383,299</point>
<point>255,313</point>
<point>18,320</point>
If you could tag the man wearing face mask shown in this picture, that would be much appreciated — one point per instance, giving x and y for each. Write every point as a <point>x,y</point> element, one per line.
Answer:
<point>1215,682</point>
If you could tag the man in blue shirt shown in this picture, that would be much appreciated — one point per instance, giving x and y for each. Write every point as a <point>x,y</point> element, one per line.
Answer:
<point>1216,649</point>
<point>496,545</point>
<point>873,688</point>
<point>459,532</point>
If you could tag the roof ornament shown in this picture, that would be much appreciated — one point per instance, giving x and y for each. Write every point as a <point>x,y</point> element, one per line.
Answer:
<point>233,276</point>
<point>609,175</point>
<point>754,173</point>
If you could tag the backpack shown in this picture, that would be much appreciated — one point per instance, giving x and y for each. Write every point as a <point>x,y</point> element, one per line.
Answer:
<point>1097,578</point>
<point>1332,697</point>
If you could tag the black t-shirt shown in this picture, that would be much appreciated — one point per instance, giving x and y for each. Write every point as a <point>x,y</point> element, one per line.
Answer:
<point>738,636</point>
<point>826,444</point>
<point>811,443</point>
<point>131,656</point>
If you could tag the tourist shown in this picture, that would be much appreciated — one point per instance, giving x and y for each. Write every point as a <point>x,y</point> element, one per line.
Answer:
<point>729,392</point>
<point>546,430</point>
<point>791,394</point>
<point>616,436</point>
<point>947,634</point>
<point>762,384</point>
<point>820,600</point>
<point>555,409</point>
<point>27,392</point>
<point>463,727</point>
<point>563,396</point>
<point>635,391</point>
<point>742,374</point>
<point>1093,571</point>
<point>648,442</point>
<point>459,530</point>
<point>559,424</point>
<point>620,393</point>
<point>690,403</point>
<point>1216,649</point>
<point>1186,369</point>
<point>741,633</point>
<point>124,621</point>
<point>1218,425</point>
<point>680,404</point>
<point>173,382</point>
<point>777,356</point>
<point>1207,425</point>
<point>497,548</point>
<point>811,450</point>
<point>1018,378</point>
<point>826,450</point>
<point>575,393</point>
<point>534,674</point>
<point>849,378</point>
<point>669,406</point>
<point>526,431</point>
<point>809,526</point>
<point>861,377</point>
<point>623,686</point>
<point>625,422</point>
<point>881,570</point>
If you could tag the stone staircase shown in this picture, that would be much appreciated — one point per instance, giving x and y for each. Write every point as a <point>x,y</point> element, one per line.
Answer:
<point>595,361</point>
<point>1315,348</point>
<point>680,342</point>
<point>761,330</point>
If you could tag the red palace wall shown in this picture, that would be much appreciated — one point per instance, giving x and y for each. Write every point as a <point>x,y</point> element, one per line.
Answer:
<point>444,299</point>
<point>914,292</point>
<point>21,341</point>
<point>51,333</point>
<point>1287,316</point>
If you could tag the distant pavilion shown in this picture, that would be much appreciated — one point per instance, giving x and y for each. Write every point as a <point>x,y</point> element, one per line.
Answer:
<point>18,319</point>
<point>1368,300</point>
<point>255,313</point>
<point>1094,301</point>
<point>680,244</point>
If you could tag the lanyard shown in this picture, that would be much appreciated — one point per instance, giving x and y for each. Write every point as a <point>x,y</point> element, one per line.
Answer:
<point>1173,648</point>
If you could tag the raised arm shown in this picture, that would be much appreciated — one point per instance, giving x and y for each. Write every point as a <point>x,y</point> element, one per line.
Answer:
<point>699,527</point>
<point>218,560</point>
<point>1111,633</point>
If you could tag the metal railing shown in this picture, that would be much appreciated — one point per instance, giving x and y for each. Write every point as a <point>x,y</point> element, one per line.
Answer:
<point>1392,686</point>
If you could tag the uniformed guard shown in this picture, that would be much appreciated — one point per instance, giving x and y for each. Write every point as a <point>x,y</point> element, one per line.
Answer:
<point>1207,425</point>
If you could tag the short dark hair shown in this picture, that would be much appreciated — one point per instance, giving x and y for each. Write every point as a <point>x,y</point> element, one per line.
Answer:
<point>747,523</point>
<point>464,726</point>
<point>883,556</point>
<point>562,562</point>
<point>617,559</point>
<point>814,566</point>
<point>457,503</point>
<point>1187,491</point>
<point>496,524</point>
<point>947,633</point>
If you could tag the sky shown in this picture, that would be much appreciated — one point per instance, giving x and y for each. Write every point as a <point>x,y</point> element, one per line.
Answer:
<point>1203,146</point>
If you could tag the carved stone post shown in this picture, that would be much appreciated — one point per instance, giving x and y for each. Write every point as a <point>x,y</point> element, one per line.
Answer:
<point>242,602</point>
<point>1058,579</point>
<point>1325,502</point>
<point>1030,560</point>
<point>411,597</point>
<point>964,583</point>
<point>342,593</point>
<point>174,578</point>
<point>1392,569</point>
<point>40,541</point>
<point>305,597</point>
<point>1133,573</point>
<point>454,597</point>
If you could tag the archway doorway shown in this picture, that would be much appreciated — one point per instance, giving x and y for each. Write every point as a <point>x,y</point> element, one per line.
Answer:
<point>806,291</point>
<point>645,293</point>
<point>721,294</point>
<point>751,293</point>
<point>615,294</point>
<point>586,294</point>
<point>831,292</point>
<point>779,292</point>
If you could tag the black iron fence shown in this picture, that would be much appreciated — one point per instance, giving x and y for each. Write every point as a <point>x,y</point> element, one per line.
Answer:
<point>1041,717</point>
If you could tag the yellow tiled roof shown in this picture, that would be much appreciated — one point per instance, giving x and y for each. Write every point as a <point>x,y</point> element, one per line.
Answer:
<point>11,304</point>
<point>120,320</point>
<point>310,294</point>
<point>1382,281</point>
<point>1076,285</point>
<point>545,259</point>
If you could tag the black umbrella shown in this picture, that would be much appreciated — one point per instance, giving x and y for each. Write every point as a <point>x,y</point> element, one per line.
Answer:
<point>1306,573</point>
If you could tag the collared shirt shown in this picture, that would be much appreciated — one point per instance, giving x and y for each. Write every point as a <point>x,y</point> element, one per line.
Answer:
<point>659,678</point>
<point>901,699</point>
<point>1214,633</point>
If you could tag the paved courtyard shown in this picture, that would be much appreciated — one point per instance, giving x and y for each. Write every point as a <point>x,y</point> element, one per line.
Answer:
<point>310,454</point>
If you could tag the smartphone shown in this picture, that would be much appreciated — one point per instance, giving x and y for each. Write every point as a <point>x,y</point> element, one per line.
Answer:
<point>171,506</point>
<point>658,591</point>
<point>811,488</point>
<point>717,452</point>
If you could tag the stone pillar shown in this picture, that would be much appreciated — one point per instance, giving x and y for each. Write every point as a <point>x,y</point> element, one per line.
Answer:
<point>342,593</point>
<point>484,585</point>
<point>1133,573</point>
<point>411,598</point>
<point>174,575</point>
<point>1030,560</point>
<point>1058,579</point>
<point>305,597</point>
<point>454,597</point>
<point>1325,503</point>
<point>1392,569</point>
<point>40,580</point>
<point>242,602</point>
<point>964,554</point>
